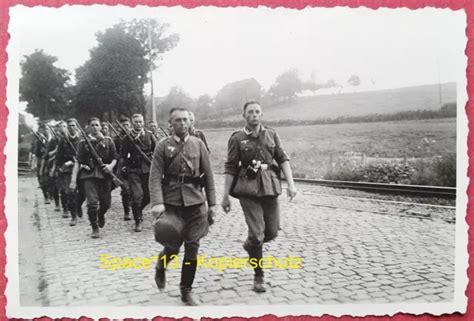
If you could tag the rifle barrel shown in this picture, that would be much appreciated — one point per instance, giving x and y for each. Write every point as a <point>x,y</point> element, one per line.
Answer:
<point>97,158</point>
<point>140,151</point>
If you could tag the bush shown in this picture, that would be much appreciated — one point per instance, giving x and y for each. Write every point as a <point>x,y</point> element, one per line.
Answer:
<point>440,171</point>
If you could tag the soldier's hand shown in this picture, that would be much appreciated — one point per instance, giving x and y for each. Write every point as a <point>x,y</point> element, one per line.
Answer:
<point>226,204</point>
<point>69,163</point>
<point>291,192</point>
<point>73,185</point>
<point>108,168</point>
<point>157,210</point>
<point>211,213</point>
<point>87,168</point>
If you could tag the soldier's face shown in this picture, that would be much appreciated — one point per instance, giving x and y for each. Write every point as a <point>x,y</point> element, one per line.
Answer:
<point>126,125</point>
<point>105,130</point>
<point>191,120</point>
<point>71,126</point>
<point>94,127</point>
<point>63,128</point>
<point>153,127</point>
<point>180,122</point>
<point>137,123</point>
<point>253,114</point>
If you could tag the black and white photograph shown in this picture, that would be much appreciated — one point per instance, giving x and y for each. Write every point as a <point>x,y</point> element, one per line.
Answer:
<point>219,162</point>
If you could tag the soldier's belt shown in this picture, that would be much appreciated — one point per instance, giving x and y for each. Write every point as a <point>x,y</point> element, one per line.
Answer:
<point>184,179</point>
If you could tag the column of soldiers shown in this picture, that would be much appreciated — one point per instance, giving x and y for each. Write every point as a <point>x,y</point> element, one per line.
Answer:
<point>172,171</point>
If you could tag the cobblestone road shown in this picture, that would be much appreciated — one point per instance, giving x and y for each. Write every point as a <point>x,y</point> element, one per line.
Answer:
<point>351,252</point>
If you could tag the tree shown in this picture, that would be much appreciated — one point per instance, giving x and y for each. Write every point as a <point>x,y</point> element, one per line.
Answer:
<point>43,86</point>
<point>235,94</point>
<point>176,97</point>
<point>140,29</point>
<point>354,80</point>
<point>204,105</point>
<point>111,82</point>
<point>287,85</point>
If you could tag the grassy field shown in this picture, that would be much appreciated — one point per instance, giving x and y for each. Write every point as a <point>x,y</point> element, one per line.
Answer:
<point>360,104</point>
<point>309,146</point>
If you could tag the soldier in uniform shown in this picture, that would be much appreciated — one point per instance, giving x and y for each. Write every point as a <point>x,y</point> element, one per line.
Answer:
<point>38,149</point>
<point>125,188</point>
<point>157,132</point>
<point>65,159</point>
<point>48,169</point>
<point>178,163</point>
<point>97,184</point>
<point>105,129</point>
<point>137,167</point>
<point>196,132</point>
<point>251,157</point>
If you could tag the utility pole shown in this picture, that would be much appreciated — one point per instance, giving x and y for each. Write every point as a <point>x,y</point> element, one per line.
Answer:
<point>439,84</point>
<point>152,95</point>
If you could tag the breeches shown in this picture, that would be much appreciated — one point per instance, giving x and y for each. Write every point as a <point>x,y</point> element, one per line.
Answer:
<point>262,215</point>
<point>98,193</point>
<point>139,189</point>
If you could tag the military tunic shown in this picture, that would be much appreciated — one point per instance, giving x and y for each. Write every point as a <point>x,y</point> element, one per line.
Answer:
<point>261,210</point>
<point>200,134</point>
<point>65,158</point>
<point>138,169</point>
<point>96,184</point>
<point>174,181</point>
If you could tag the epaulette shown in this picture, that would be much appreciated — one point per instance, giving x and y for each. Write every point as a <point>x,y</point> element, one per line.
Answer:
<point>237,131</point>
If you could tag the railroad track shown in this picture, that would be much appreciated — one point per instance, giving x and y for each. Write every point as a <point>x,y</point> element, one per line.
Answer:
<point>401,189</point>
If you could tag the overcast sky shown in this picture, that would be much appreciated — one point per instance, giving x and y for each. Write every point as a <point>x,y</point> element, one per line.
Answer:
<point>386,48</point>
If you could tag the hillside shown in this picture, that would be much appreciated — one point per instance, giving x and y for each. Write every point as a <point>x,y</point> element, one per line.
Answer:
<point>359,104</point>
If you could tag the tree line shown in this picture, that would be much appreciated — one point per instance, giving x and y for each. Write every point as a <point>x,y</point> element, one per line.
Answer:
<point>111,82</point>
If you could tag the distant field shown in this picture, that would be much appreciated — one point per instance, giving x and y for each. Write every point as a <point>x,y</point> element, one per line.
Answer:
<point>309,146</point>
<point>360,104</point>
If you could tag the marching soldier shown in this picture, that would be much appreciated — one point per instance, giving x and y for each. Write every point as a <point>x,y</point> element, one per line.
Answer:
<point>105,129</point>
<point>157,132</point>
<point>65,159</point>
<point>179,163</point>
<point>38,149</point>
<point>196,132</point>
<point>135,155</point>
<point>251,156</point>
<point>95,177</point>
<point>125,189</point>
<point>48,169</point>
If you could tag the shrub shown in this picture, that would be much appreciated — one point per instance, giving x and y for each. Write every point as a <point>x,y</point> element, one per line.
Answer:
<point>440,171</point>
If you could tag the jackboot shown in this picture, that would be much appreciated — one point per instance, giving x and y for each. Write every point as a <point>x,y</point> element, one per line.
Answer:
<point>187,297</point>
<point>126,207</point>
<point>92,213</point>
<point>101,215</point>
<point>188,271</point>
<point>73,219</point>
<point>137,216</point>
<point>79,212</point>
<point>255,252</point>
<point>258,281</point>
<point>65,212</point>
<point>160,273</point>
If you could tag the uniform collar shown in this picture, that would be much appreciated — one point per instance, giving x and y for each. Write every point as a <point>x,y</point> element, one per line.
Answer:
<point>255,132</point>
<point>178,140</point>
